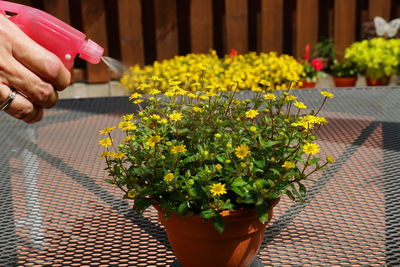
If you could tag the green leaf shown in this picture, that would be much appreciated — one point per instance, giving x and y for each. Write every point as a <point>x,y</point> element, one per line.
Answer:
<point>110,181</point>
<point>290,195</point>
<point>314,160</point>
<point>182,207</point>
<point>221,158</point>
<point>302,190</point>
<point>218,223</point>
<point>183,131</point>
<point>260,163</point>
<point>207,214</point>
<point>273,194</point>
<point>241,191</point>
<point>227,206</point>
<point>262,212</point>
<point>270,143</point>
<point>141,204</point>
<point>238,182</point>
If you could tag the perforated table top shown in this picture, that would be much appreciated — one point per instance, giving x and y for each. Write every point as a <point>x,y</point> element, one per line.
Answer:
<point>56,209</point>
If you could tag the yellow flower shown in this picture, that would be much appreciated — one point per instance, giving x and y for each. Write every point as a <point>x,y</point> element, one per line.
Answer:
<point>105,154</point>
<point>269,97</point>
<point>175,116</point>
<point>290,97</point>
<point>169,177</point>
<point>242,151</point>
<point>155,78</point>
<point>288,165</point>
<point>106,142</point>
<point>129,138</point>
<point>154,92</point>
<point>218,167</point>
<point>132,193</point>
<point>169,93</point>
<point>134,96</point>
<point>265,83</point>
<point>128,117</point>
<point>127,125</point>
<point>218,189</point>
<point>163,121</point>
<point>300,105</point>
<point>155,116</point>
<point>253,128</point>
<point>327,94</point>
<point>138,101</point>
<point>178,149</point>
<point>197,109</point>
<point>107,130</point>
<point>118,155</point>
<point>252,113</point>
<point>153,140</point>
<point>311,148</point>
<point>330,159</point>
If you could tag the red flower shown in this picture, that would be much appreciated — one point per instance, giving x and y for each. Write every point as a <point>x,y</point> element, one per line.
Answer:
<point>233,53</point>
<point>317,64</point>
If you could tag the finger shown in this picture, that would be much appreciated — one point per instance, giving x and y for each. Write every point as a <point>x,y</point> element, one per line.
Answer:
<point>40,61</point>
<point>39,92</point>
<point>21,108</point>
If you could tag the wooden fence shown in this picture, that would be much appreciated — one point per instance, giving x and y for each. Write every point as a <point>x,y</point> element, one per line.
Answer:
<point>141,31</point>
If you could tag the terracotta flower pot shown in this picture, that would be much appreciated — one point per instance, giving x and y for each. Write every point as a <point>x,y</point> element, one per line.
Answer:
<point>345,81</point>
<point>197,244</point>
<point>307,84</point>
<point>377,82</point>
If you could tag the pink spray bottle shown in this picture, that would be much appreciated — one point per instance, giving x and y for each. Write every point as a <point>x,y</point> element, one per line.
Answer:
<point>53,34</point>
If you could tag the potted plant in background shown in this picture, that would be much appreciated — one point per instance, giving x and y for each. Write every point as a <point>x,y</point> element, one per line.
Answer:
<point>213,165</point>
<point>377,59</point>
<point>344,73</point>
<point>324,52</point>
<point>312,69</point>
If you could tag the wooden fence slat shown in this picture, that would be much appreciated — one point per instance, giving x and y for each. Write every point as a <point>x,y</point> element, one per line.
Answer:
<point>166,28</point>
<point>306,25</point>
<point>130,30</point>
<point>23,2</point>
<point>271,25</point>
<point>201,25</point>
<point>379,8</point>
<point>236,25</point>
<point>94,25</point>
<point>58,8</point>
<point>344,25</point>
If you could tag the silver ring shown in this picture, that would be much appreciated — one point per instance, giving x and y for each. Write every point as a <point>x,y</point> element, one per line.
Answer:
<point>7,102</point>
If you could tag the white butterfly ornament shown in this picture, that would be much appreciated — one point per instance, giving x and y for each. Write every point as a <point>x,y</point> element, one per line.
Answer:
<point>386,28</point>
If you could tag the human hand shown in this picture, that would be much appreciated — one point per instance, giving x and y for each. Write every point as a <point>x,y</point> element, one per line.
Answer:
<point>33,72</point>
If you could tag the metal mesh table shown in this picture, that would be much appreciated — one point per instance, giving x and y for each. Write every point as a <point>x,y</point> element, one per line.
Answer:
<point>56,209</point>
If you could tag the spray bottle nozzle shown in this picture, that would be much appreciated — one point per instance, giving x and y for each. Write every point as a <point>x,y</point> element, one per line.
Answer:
<point>91,52</point>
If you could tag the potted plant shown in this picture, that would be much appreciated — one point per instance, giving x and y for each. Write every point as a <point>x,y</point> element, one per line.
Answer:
<point>377,59</point>
<point>312,69</point>
<point>344,73</point>
<point>213,165</point>
<point>324,51</point>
